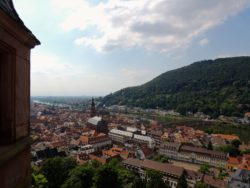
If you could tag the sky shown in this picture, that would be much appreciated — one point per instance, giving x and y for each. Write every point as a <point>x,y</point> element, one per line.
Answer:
<point>94,48</point>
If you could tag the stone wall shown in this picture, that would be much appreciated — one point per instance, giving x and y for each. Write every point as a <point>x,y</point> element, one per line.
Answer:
<point>16,173</point>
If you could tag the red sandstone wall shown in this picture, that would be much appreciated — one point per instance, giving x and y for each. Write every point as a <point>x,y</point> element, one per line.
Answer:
<point>16,173</point>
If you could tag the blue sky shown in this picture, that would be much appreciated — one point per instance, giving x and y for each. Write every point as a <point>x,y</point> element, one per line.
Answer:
<point>92,47</point>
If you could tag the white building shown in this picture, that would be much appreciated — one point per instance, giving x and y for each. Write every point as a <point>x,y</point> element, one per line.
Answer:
<point>123,136</point>
<point>120,136</point>
<point>87,149</point>
<point>144,139</point>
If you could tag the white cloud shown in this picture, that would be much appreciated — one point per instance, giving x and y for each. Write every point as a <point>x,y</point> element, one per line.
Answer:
<point>204,42</point>
<point>232,55</point>
<point>52,75</point>
<point>54,66</point>
<point>161,25</point>
<point>49,73</point>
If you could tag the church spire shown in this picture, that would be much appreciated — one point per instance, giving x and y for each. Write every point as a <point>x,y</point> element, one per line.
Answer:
<point>92,110</point>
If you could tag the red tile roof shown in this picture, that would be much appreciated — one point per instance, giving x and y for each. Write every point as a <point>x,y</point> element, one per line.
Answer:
<point>149,164</point>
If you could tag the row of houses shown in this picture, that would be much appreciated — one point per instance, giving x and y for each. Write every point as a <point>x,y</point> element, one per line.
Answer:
<point>241,179</point>
<point>171,173</point>
<point>196,155</point>
<point>122,137</point>
<point>97,141</point>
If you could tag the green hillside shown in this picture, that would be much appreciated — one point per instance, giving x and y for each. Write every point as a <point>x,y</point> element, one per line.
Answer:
<point>215,87</point>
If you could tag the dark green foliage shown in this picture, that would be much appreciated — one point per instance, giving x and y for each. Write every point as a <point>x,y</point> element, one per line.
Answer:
<point>210,145</point>
<point>107,177</point>
<point>233,151</point>
<point>182,182</point>
<point>139,183</point>
<point>242,131</point>
<point>81,176</point>
<point>161,158</point>
<point>214,87</point>
<point>63,173</point>
<point>201,184</point>
<point>56,170</point>
<point>247,151</point>
<point>232,148</point>
<point>39,181</point>
<point>222,174</point>
<point>95,163</point>
<point>204,168</point>
<point>236,143</point>
<point>125,177</point>
<point>155,179</point>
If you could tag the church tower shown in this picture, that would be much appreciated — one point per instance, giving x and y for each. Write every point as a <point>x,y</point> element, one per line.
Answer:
<point>93,110</point>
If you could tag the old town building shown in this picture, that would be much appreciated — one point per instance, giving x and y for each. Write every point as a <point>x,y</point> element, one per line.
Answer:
<point>121,136</point>
<point>170,172</point>
<point>98,141</point>
<point>197,155</point>
<point>98,124</point>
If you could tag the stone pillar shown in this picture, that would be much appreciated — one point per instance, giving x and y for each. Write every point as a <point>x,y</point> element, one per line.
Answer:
<point>16,41</point>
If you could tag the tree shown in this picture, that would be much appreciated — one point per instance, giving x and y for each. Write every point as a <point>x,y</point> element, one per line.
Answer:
<point>236,143</point>
<point>139,183</point>
<point>35,169</point>
<point>234,152</point>
<point>204,168</point>
<point>106,176</point>
<point>200,184</point>
<point>246,151</point>
<point>81,176</point>
<point>95,163</point>
<point>56,170</point>
<point>161,158</point>
<point>210,145</point>
<point>125,176</point>
<point>182,182</point>
<point>155,179</point>
<point>222,173</point>
<point>39,181</point>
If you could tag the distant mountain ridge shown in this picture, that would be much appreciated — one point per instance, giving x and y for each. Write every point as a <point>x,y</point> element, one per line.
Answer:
<point>215,87</point>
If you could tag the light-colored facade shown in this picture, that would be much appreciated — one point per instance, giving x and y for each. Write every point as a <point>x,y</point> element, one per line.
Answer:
<point>192,154</point>
<point>170,172</point>
<point>144,139</point>
<point>123,136</point>
<point>98,142</point>
<point>241,179</point>
<point>87,149</point>
<point>120,136</point>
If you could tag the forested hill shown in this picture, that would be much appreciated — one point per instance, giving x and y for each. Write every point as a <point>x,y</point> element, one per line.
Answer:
<point>215,87</point>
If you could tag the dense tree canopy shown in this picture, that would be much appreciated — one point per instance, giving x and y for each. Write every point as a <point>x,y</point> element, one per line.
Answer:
<point>56,170</point>
<point>214,87</point>
<point>64,173</point>
<point>39,181</point>
<point>155,180</point>
<point>161,158</point>
<point>81,176</point>
<point>204,168</point>
<point>201,184</point>
<point>182,182</point>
